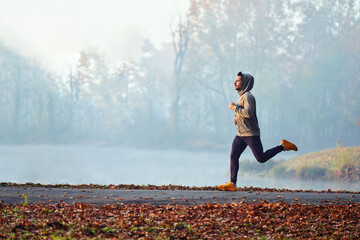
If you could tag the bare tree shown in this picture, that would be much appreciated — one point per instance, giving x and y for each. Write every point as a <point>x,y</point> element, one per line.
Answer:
<point>180,39</point>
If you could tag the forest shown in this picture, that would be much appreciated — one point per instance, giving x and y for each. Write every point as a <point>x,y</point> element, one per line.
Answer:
<point>304,56</point>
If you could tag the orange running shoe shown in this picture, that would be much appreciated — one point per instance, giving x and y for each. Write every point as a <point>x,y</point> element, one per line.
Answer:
<point>288,145</point>
<point>228,187</point>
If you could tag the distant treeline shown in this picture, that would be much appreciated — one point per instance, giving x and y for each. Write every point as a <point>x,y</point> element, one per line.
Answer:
<point>304,55</point>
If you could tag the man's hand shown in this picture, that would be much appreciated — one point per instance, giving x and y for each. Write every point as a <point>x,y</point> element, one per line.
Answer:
<point>231,105</point>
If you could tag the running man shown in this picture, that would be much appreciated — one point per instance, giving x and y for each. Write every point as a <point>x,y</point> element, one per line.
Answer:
<point>248,131</point>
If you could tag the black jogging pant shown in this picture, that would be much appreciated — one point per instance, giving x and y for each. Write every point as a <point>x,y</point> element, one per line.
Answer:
<point>238,147</point>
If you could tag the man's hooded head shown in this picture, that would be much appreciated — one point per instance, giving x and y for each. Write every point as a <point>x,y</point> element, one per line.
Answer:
<point>247,83</point>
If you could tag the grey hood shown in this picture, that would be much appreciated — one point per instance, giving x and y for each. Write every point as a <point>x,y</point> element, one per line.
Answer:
<point>247,83</point>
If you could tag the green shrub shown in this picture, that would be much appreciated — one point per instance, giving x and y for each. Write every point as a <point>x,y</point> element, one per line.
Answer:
<point>311,173</point>
<point>252,166</point>
<point>346,166</point>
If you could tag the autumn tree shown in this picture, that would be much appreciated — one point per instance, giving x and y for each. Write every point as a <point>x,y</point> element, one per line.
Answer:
<point>26,95</point>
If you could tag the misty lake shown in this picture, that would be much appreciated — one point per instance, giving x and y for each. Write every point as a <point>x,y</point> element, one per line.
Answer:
<point>58,164</point>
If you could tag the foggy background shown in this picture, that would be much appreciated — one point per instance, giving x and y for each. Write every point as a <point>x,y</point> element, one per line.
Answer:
<point>157,76</point>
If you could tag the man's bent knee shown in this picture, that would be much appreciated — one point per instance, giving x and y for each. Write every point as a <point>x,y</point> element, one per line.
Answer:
<point>261,159</point>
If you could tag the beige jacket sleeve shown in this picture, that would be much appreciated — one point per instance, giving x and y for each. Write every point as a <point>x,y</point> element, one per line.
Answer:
<point>245,106</point>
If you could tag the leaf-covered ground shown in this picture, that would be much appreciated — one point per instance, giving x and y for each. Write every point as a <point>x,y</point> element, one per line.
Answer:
<point>241,220</point>
<point>261,220</point>
<point>155,187</point>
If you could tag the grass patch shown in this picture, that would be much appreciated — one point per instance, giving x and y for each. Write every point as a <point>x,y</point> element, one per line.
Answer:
<point>340,164</point>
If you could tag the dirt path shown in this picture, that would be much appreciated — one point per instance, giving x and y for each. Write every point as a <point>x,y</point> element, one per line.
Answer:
<point>164,197</point>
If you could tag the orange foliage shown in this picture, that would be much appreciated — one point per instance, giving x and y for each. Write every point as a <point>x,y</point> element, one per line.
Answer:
<point>207,221</point>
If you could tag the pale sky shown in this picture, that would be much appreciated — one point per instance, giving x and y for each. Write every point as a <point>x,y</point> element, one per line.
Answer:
<point>55,31</point>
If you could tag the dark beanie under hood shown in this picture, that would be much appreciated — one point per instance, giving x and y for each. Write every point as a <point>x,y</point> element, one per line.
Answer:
<point>247,83</point>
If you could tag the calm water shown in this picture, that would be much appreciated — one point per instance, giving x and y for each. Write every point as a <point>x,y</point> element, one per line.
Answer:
<point>112,165</point>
